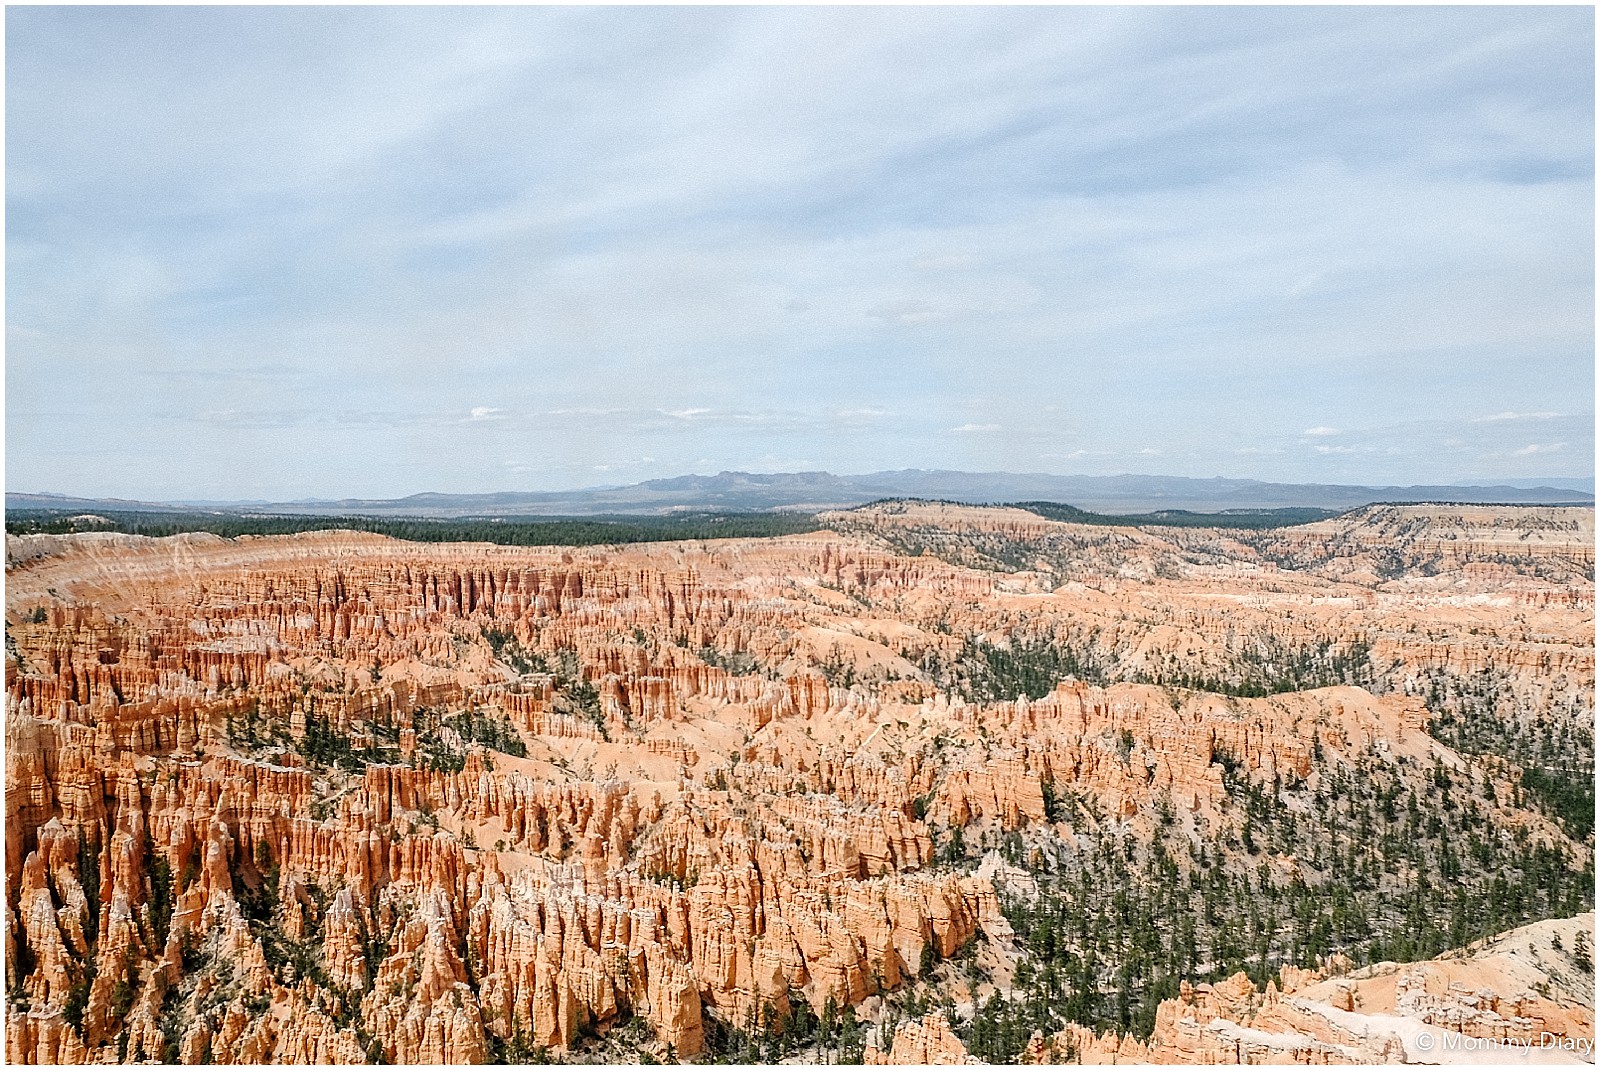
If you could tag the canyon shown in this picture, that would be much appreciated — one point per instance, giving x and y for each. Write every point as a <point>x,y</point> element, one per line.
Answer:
<point>934,784</point>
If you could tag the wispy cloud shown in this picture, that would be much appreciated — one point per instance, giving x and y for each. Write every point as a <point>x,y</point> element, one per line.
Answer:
<point>906,311</point>
<point>1500,417</point>
<point>634,465</point>
<point>1077,455</point>
<point>308,417</point>
<point>1320,432</point>
<point>966,429</point>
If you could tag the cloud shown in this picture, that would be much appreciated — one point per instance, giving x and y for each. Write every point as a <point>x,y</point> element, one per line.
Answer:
<point>940,262</point>
<point>1536,448</point>
<point>1077,455</point>
<point>1305,283</point>
<point>707,235</point>
<point>906,312</point>
<point>1503,416</point>
<point>616,466</point>
<point>310,417</point>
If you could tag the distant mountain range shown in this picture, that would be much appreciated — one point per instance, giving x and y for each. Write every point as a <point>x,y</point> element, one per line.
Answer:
<point>756,492</point>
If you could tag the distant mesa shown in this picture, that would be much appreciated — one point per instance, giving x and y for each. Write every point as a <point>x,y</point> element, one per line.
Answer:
<point>807,491</point>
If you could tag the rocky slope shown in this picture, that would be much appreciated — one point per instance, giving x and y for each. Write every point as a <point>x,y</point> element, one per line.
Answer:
<point>1525,996</point>
<point>336,798</point>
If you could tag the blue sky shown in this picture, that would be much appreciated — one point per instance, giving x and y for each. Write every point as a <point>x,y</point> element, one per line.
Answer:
<point>283,252</point>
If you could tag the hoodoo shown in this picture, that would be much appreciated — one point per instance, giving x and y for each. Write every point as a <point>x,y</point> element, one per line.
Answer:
<point>934,784</point>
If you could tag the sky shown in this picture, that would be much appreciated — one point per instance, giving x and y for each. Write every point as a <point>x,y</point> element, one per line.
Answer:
<point>270,253</point>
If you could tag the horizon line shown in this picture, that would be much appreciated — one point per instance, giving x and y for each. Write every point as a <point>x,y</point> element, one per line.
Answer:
<point>1530,483</point>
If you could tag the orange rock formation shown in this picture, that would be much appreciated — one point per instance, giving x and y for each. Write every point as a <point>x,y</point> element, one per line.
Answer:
<point>739,819</point>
